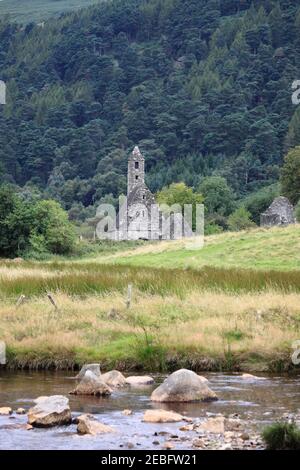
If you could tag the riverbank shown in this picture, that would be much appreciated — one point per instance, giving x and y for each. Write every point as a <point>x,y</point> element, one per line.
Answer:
<point>204,331</point>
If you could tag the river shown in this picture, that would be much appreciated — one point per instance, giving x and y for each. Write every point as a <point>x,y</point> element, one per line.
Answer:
<point>258,402</point>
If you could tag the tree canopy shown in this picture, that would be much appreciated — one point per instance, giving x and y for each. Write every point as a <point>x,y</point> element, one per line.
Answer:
<point>290,175</point>
<point>40,227</point>
<point>203,87</point>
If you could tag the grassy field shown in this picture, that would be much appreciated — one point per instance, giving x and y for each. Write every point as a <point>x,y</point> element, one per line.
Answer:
<point>259,249</point>
<point>198,309</point>
<point>26,11</point>
<point>204,330</point>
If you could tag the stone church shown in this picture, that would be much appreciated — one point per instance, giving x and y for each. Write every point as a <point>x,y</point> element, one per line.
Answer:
<point>140,217</point>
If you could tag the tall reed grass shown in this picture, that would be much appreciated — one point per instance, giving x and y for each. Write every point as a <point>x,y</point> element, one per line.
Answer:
<point>210,318</point>
<point>88,279</point>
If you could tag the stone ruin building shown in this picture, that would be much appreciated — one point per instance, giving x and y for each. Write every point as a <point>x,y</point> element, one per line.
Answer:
<point>280,212</point>
<point>142,218</point>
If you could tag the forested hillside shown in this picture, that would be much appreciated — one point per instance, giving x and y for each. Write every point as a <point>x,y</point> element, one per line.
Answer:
<point>203,87</point>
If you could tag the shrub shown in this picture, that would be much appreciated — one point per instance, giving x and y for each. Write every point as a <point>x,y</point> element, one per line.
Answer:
<point>290,175</point>
<point>37,247</point>
<point>240,220</point>
<point>218,196</point>
<point>256,203</point>
<point>33,227</point>
<point>234,335</point>
<point>215,223</point>
<point>16,222</point>
<point>53,224</point>
<point>179,194</point>
<point>212,229</point>
<point>282,436</point>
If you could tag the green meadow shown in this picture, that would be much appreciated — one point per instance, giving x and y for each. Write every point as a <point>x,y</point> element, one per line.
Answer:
<point>232,305</point>
<point>27,11</point>
<point>259,249</point>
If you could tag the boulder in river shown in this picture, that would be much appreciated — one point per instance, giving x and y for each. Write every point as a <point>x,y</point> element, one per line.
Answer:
<point>5,411</point>
<point>139,380</point>
<point>168,445</point>
<point>95,368</point>
<point>14,426</point>
<point>114,378</point>
<point>213,425</point>
<point>220,425</point>
<point>183,386</point>
<point>50,411</point>
<point>92,385</point>
<point>88,424</point>
<point>21,411</point>
<point>252,377</point>
<point>161,416</point>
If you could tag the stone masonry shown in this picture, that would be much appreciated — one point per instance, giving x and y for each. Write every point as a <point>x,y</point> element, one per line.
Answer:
<point>142,217</point>
<point>280,212</point>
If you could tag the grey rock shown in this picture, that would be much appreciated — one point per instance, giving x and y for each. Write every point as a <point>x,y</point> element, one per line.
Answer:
<point>138,380</point>
<point>95,368</point>
<point>5,411</point>
<point>183,386</point>
<point>88,424</point>
<point>50,411</point>
<point>92,385</point>
<point>114,378</point>
<point>161,416</point>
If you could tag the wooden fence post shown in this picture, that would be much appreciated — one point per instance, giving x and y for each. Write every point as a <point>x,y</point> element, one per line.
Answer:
<point>20,300</point>
<point>52,301</point>
<point>129,294</point>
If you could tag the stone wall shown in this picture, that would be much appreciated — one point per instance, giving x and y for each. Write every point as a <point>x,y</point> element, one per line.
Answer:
<point>280,212</point>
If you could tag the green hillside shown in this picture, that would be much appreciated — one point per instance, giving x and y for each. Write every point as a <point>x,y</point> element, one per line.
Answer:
<point>267,249</point>
<point>27,11</point>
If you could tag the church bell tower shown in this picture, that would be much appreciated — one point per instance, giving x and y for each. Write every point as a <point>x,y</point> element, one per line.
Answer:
<point>136,170</point>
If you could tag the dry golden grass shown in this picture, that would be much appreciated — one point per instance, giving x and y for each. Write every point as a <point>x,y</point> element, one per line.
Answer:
<point>19,271</point>
<point>224,327</point>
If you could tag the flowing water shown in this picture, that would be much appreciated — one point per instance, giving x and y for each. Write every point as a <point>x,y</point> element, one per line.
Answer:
<point>259,402</point>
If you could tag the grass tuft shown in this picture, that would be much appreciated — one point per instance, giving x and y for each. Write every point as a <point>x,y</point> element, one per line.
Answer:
<point>282,436</point>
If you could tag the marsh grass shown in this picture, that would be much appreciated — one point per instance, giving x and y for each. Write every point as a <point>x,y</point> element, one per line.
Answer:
<point>157,333</point>
<point>90,279</point>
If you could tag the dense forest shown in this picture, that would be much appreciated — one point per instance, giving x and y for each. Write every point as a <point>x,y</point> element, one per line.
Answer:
<point>203,87</point>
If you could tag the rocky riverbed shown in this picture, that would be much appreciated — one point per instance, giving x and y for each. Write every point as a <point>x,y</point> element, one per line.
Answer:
<point>245,405</point>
